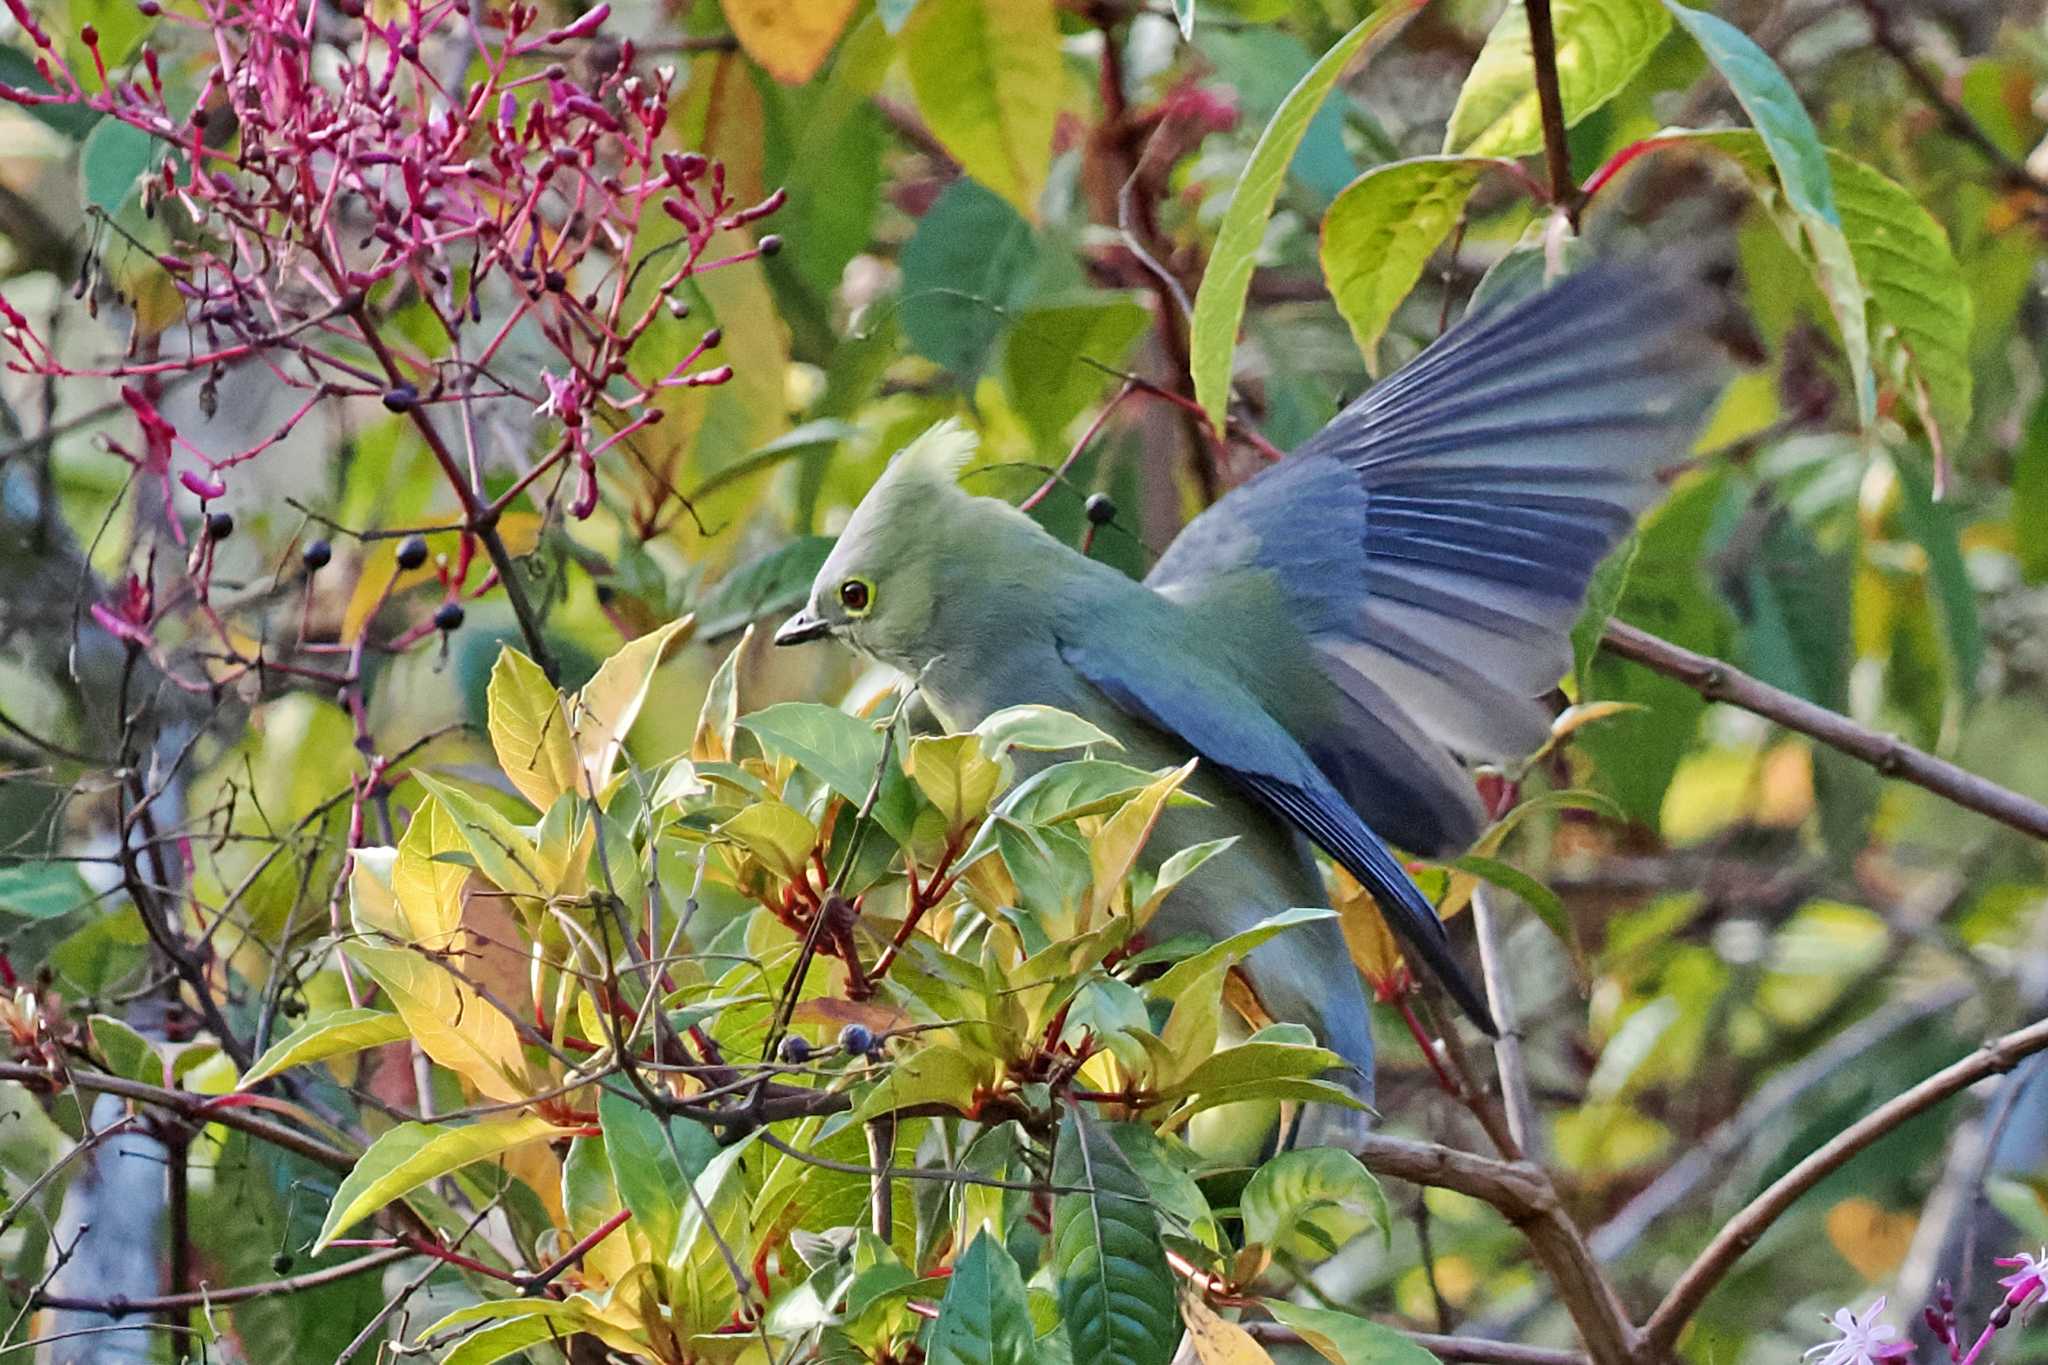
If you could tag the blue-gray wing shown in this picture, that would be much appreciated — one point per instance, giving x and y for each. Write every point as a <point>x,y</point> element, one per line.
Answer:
<point>1209,712</point>
<point>1437,537</point>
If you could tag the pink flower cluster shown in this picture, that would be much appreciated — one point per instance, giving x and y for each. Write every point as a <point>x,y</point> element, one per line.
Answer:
<point>1863,1340</point>
<point>459,160</point>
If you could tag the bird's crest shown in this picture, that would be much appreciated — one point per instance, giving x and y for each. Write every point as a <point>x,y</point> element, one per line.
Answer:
<point>937,456</point>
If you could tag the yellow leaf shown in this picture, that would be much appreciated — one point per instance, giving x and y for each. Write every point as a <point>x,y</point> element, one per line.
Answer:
<point>372,905</point>
<point>989,80</point>
<point>715,721</point>
<point>528,730</point>
<point>956,776</point>
<point>1373,950</point>
<point>1871,1237</point>
<point>429,891</point>
<point>610,702</point>
<point>1214,1340</point>
<point>452,1023</point>
<point>779,836</point>
<point>1113,852</point>
<point>789,38</point>
<point>411,1155</point>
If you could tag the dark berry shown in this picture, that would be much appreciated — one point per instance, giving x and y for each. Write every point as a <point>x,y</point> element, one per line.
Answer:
<point>770,244</point>
<point>794,1050</point>
<point>856,1039</point>
<point>448,616</point>
<point>1099,509</point>
<point>401,398</point>
<point>316,555</point>
<point>281,1263</point>
<point>219,525</point>
<point>556,281</point>
<point>412,552</point>
<point>713,337</point>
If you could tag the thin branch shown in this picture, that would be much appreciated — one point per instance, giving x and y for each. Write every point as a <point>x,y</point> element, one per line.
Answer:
<point>1474,1350</point>
<point>1742,1231</point>
<point>220,1298</point>
<point>1521,1193</point>
<point>1719,681</point>
<point>1556,152</point>
<point>1507,1048</point>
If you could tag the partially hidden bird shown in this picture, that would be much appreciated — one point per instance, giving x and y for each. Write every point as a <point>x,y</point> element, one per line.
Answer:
<point>1337,638</point>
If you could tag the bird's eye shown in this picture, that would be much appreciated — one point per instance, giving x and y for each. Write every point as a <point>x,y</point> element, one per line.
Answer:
<point>856,595</point>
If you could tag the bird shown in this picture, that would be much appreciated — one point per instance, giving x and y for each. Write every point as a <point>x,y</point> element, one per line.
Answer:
<point>1335,640</point>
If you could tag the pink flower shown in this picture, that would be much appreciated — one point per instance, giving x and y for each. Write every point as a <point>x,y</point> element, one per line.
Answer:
<point>1864,1340</point>
<point>2029,1279</point>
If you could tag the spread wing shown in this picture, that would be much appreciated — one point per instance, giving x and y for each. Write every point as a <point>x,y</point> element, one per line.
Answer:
<point>1437,537</point>
<point>1215,716</point>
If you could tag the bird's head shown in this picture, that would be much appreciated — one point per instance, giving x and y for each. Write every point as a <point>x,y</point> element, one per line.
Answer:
<point>879,590</point>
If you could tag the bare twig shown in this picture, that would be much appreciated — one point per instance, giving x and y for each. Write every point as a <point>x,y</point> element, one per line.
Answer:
<point>1719,681</point>
<point>1507,1048</point>
<point>1474,1350</point>
<point>1742,1231</point>
<point>219,1298</point>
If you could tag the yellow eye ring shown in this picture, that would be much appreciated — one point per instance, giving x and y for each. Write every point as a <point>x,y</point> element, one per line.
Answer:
<point>857,596</point>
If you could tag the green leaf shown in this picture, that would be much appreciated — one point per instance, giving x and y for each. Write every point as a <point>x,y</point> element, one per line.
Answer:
<point>413,1154</point>
<point>1227,951</point>
<point>1383,229</point>
<point>126,1052</point>
<point>503,854</point>
<point>1601,45</point>
<point>955,775</point>
<point>1938,527</point>
<point>771,585</point>
<point>1115,1291</point>
<point>844,750</point>
<point>941,1074</point>
<point>331,1035</point>
<point>777,835</point>
<point>1347,1340</point>
<point>1603,595</point>
<point>42,890</point>
<point>1309,1203</point>
<point>18,69</point>
<point>1219,304</point>
<point>1249,1064</point>
<point>713,1225</point>
<point>1046,360</point>
<point>1920,310</point>
<point>1533,894</point>
<point>111,164</point>
<point>1083,786</point>
<point>1041,728</point>
<point>966,270</point>
<point>2029,517</point>
<point>652,1173</point>
<point>984,1318</point>
<point>988,80</point>
<point>1773,107</point>
<point>1801,162</point>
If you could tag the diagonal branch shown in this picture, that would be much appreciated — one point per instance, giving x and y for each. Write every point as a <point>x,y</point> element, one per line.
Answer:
<point>1742,1231</point>
<point>1564,191</point>
<point>1719,681</point>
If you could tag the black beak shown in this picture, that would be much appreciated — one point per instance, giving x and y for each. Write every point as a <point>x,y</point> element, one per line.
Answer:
<point>802,628</point>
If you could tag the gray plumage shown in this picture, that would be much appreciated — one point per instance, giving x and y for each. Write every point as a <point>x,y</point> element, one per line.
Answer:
<point>1337,637</point>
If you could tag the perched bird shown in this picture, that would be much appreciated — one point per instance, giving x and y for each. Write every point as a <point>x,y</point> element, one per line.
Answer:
<point>1337,637</point>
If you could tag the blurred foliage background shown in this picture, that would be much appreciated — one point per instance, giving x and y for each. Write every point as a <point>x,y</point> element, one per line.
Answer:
<point>998,210</point>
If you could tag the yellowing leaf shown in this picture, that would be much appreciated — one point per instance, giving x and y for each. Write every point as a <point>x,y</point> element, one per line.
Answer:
<point>528,730</point>
<point>937,1073</point>
<point>433,862</point>
<point>988,80</point>
<point>450,1021</point>
<point>1214,1340</point>
<point>789,38</point>
<point>498,849</point>
<point>1373,950</point>
<point>610,702</point>
<point>1871,1237</point>
<point>372,904</point>
<point>1113,852</point>
<point>779,836</point>
<point>955,776</point>
<point>1600,45</point>
<point>721,710</point>
<point>412,1154</point>
<point>331,1035</point>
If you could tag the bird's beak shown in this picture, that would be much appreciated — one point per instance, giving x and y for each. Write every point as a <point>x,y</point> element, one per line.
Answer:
<point>801,628</point>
